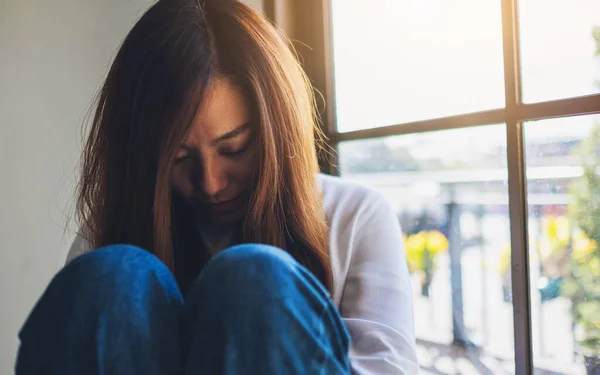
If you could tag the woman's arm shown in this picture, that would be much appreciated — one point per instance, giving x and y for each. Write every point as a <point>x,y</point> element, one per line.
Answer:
<point>377,300</point>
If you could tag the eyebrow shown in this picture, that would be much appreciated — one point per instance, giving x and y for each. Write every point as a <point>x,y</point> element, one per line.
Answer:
<point>232,134</point>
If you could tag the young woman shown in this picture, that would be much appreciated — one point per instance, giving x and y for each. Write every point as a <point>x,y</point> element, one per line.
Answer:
<point>202,153</point>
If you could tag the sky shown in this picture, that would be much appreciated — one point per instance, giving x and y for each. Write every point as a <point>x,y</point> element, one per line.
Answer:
<point>407,60</point>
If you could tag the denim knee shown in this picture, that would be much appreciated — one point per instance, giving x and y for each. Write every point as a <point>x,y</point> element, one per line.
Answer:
<point>259,255</point>
<point>251,265</point>
<point>114,306</point>
<point>121,260</point>
<point>262,271</point>
<point>119,269</point>
<point>269,312</point>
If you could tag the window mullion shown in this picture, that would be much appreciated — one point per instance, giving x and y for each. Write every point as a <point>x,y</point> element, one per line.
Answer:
<point>517,191</point>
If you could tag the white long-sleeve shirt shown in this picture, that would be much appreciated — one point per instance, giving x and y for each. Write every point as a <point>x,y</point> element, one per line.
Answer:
<point>371,285</point>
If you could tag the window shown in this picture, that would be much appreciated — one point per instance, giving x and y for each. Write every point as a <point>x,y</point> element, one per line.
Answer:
<point>449,191</point>
<point>478,120</point>
<point>404,61</point>
<point>557,48</point>
<point>562,167</point>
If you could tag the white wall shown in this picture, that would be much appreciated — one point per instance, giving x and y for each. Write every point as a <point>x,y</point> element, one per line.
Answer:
<point>53,57</point>
<point>256,4</point>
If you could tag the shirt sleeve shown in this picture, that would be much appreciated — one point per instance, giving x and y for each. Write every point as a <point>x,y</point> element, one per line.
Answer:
<point>377,301</point>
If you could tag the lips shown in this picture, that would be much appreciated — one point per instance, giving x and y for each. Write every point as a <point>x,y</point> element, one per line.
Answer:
<point>222,208</point>
<point>226,206</point>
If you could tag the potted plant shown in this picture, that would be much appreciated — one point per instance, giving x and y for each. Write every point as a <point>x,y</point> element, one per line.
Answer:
<point>421,250</point>
<point>553,255</point>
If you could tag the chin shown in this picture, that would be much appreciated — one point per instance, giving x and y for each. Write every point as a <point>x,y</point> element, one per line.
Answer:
<point>225,218</point>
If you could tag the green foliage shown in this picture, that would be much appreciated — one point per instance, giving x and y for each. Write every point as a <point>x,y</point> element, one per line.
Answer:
<point>585,190</point>
<point>583,288</point>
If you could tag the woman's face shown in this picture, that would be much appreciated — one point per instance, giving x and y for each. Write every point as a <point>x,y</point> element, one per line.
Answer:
<point>214,167</point>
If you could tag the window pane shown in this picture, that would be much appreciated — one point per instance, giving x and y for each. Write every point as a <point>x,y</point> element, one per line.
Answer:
<point>563,162</point>
<point>401,61</point>
<point>557,48</point>
<point>450,193</point>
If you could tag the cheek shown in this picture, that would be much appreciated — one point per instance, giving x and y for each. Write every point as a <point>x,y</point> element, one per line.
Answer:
<point>180,182</point>
<point>242,171</point>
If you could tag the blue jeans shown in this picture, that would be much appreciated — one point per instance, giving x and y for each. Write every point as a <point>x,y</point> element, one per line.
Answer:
<point>118,310</point>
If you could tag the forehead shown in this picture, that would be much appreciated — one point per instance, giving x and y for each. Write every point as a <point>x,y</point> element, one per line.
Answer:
<point>223,109</point>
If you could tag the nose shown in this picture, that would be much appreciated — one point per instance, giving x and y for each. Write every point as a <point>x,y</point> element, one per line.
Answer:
<point>214,180</point>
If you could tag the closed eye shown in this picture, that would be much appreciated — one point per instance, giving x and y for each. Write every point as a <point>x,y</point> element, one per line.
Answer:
<point>234,154</point>
<point>180,159</point>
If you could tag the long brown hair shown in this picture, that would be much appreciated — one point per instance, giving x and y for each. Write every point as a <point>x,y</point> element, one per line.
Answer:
<point>146,105</point>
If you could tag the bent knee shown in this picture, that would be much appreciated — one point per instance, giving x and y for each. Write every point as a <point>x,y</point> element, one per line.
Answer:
<point>251,267</point>
<point>253,254</point>
<point>119,263</point>
<point>256,279</point>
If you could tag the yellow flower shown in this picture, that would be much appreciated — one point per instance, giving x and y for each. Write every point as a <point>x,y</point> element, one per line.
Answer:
<point>504,261</point>
<point>558,230</point>
<point>433,242</point>
<point>416,242</point>
<point>415,248</point>
<point>563,230</point>
<point>436,242</point>
<point>582,247</point>
<point>550,224</point>
<point>578,234</point>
